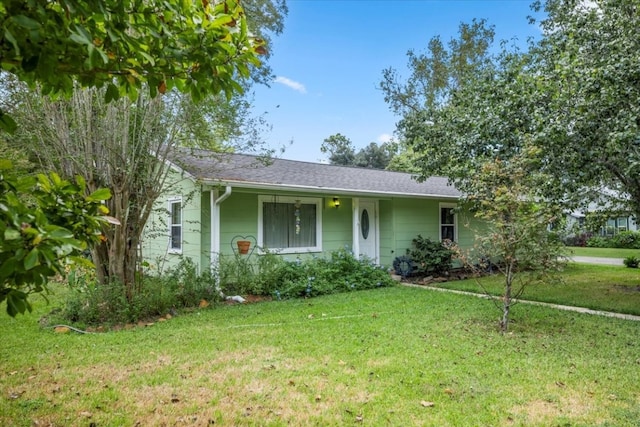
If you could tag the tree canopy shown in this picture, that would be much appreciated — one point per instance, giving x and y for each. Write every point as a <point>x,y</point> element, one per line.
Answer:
<point>199,48</point>
<point>342,152</point>
<point>574,94</point>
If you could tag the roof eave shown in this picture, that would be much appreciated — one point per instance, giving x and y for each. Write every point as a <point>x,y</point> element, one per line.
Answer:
<point>323,190</point>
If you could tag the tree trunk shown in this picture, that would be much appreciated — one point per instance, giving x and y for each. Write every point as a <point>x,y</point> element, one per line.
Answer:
<point>506,307</point>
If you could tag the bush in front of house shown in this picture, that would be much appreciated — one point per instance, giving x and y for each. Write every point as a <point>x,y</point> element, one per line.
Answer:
<point>90,303</point>
<point>622,240</point>
<point>431,257</point>
<point>599,242</point>
<point>577,240</point>
<point>626,240</point>
<point>341,271</point>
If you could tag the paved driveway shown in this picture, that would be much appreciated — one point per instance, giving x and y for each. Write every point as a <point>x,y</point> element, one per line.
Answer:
<point>596,260</point>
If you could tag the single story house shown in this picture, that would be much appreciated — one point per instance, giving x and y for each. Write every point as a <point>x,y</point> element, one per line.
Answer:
<point>294,208</point>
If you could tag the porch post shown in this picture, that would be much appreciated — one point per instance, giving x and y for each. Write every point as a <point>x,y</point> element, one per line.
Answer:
<point>355,225</point>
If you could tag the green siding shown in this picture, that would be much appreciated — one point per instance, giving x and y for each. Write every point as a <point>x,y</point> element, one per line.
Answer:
<point>238,217</point>
<point>155,243</point>
<point>337,225</point>
<point>387,241</point>
<point>205,235</point>
<point>400,220</point>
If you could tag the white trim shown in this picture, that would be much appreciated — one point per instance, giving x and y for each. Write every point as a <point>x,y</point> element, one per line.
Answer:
<point>215,201</point>
<point>325,190</point>
<point>172,200</point>
<point>376,224</point>
<point>355,225</point>
<point>317,201</point>
<point>455,220</point>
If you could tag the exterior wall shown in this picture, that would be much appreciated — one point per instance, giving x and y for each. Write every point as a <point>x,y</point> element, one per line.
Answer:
<point>239,217</point>
<point>400,220</point>
<point>155,242</point>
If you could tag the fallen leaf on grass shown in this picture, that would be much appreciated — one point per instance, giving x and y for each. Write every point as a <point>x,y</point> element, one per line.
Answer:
<point>16,394</point>
<point>427,404</point>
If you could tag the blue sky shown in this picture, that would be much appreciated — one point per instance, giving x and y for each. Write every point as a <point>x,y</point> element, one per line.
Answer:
<point>329,61</point>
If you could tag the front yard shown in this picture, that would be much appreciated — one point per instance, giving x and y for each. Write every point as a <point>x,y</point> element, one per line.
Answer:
<point>392,356</point>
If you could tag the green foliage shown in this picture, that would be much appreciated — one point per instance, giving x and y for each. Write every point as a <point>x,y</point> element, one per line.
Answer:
<point>92,303</point>
<point>598,242</point>
<point>274,276</point>
<point>37,235</point>
<point>199,48</point>
<point>626,240</point>
<point>516,224</point>
<point>431,257</point>
<point>586,64</point>
<point>340,272</point>
<point>342,152</point>
<point>622,240</point>
<point>340,148</point>
<point>631,261</point>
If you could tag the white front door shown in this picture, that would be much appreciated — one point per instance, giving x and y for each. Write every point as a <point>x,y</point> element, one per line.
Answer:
<point>368,229</point>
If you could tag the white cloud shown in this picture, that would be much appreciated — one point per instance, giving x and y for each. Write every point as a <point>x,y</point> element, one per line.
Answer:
<point>385,137</point>
<point>297,86</point>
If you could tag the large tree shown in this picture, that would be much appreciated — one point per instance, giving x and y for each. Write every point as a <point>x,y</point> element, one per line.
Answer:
<point>114,48</point>
<point>198,47</point>
<point>471,116</point>
<point>342,152</point>
<point>587,63</point>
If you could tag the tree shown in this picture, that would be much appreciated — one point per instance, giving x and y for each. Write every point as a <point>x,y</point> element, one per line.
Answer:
<point>342,152</point>
<point>56,221</point>
<point>472,116</point>
<point>340,148</point>
<point>587,64</point>
<point>199,48</point>
<point>514,235</point>
<point>375,156</point>
<point>120,47</point>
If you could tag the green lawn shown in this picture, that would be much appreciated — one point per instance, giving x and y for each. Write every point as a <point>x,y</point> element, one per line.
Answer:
<point>396,356</point>
<point>603,252</point>
<point>599,287</point>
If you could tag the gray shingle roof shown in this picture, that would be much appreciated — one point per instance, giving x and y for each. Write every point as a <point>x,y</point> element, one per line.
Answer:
<point>244,170</point>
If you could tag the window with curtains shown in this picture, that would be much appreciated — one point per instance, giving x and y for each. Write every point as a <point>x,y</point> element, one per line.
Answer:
<point>290,224</point>
<point>175,225</point>
<point>448,222</point>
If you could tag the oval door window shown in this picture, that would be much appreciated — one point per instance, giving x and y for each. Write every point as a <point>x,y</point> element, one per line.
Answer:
<point>364,224</point>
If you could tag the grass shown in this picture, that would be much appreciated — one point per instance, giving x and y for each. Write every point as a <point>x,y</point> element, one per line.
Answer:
<point>393,356</point>
<point>599,287</point>
<point>603,252</point>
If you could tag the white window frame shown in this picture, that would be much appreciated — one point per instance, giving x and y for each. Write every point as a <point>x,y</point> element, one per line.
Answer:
<point>171,202</point>
<point>455,220</point>
<point>317,201</point>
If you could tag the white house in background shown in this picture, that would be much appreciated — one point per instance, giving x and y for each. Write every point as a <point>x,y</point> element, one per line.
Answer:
<point>617,222</point>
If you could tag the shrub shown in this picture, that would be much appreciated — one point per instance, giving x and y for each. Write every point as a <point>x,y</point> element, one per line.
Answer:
<point>599,242</point>
<point>626,240</point>
<point>578,240</point>
<point>631,261</point>
<point>431,257</point>
<point>340,272</point>
<point>91,303</point>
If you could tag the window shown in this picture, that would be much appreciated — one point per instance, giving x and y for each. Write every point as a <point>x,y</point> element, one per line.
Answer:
<point>448,229</point>
<point>623,224</point>
<point>175,225</point>
<point>290,224</point>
